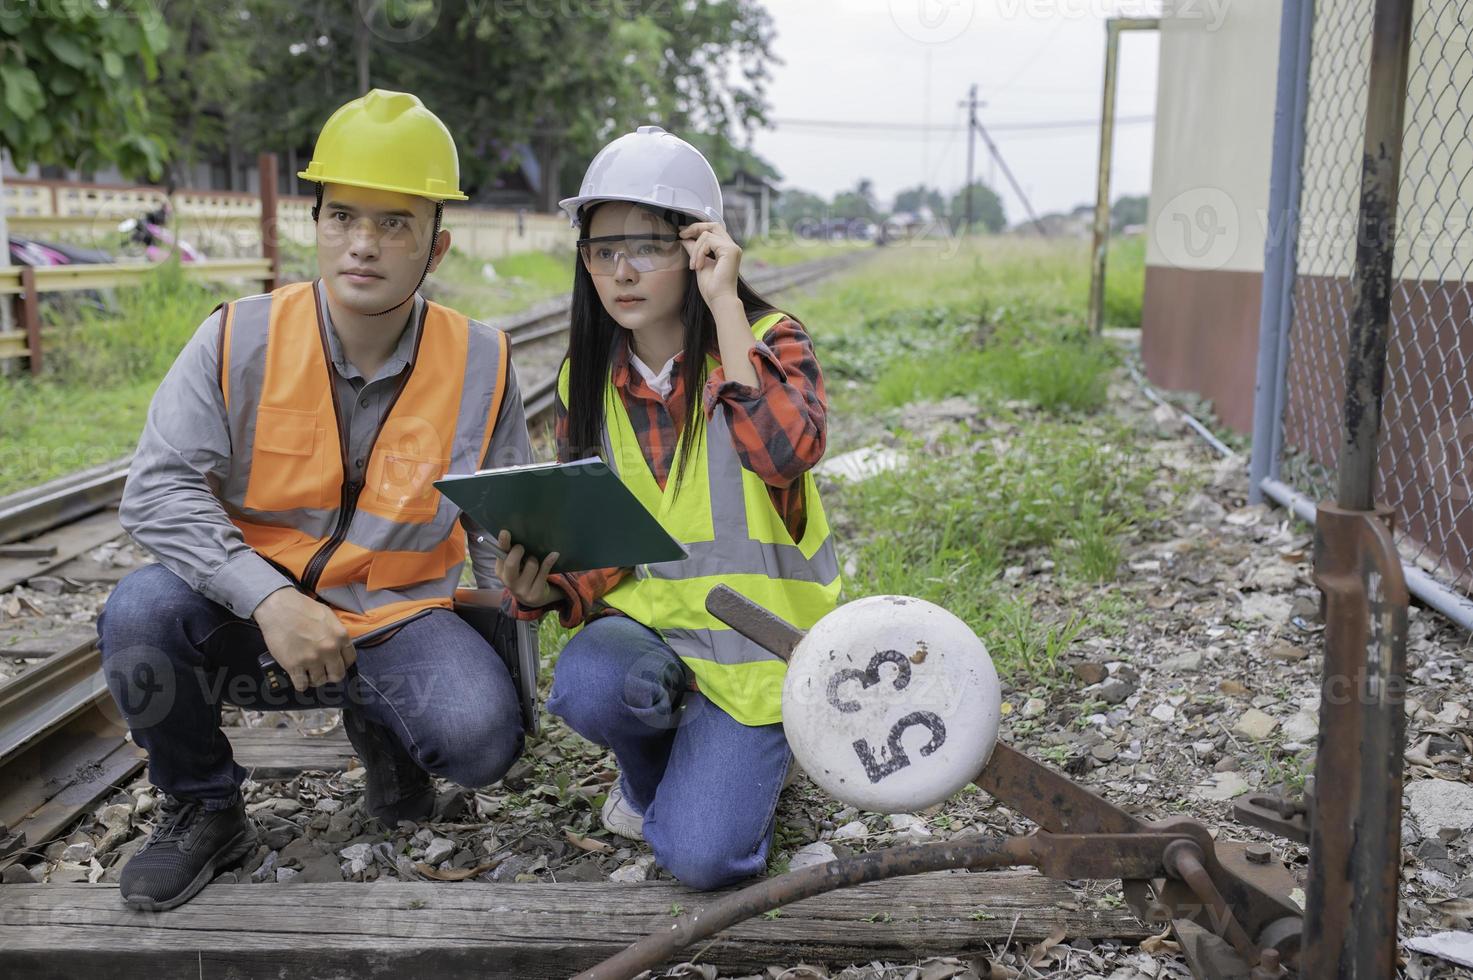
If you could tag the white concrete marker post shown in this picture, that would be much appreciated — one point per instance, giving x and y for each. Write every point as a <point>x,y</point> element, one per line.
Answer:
<point>891,704</point>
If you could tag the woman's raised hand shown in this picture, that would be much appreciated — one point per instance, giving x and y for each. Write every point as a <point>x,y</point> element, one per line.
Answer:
<point>524,575</point>
<point>714,257</point>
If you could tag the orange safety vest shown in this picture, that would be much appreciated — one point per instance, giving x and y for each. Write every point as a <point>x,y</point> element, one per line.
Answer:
<point>378,551</point>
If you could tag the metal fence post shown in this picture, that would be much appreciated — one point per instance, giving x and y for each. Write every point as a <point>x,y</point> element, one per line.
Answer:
<point>270,232</point>
<point>30,314</point>
<point>1296,29</point>
<point>1101,241</point>
<point>1355,832</point>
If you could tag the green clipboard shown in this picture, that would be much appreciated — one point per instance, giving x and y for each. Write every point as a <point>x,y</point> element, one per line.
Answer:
<point>581,510</point>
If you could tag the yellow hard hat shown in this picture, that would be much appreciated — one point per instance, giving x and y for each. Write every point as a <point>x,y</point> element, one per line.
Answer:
<point>387,141</point>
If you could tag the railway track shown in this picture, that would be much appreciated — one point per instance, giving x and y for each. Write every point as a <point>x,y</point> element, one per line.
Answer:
<point>62,745</point>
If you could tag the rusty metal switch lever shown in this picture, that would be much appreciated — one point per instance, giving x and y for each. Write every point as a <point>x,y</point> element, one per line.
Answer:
<point>1170,870</point>
<point>771,633</point>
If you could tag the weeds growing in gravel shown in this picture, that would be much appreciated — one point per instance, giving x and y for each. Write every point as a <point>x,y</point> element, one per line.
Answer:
<point>1040,474</point>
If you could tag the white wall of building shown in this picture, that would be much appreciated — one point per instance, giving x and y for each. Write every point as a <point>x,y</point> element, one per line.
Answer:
<point>1214,136</point>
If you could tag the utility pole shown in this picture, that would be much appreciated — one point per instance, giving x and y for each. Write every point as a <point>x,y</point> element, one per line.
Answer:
<point>362,40</point>
<point>971,106</point>
<point>975,129</point>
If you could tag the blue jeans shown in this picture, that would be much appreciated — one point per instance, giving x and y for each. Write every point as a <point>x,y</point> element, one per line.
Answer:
<point>707,785</point>
<point>171,658</point>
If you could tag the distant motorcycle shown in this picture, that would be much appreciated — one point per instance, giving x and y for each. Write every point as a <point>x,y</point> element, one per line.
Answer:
<point>38,254</point>
<point>157,241</point>
<point>32,252</point>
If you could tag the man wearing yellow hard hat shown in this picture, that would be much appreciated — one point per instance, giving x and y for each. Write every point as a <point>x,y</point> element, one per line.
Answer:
<point>284,480</point>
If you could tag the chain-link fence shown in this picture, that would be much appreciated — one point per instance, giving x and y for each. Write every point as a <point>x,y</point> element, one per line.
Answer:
<point>1425,455</point>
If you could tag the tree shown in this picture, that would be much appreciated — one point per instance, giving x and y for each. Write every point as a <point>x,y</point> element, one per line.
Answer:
<point>919,197</point>
<point>567,78</point>
<point>208,79</point>
<point>795,206</point>
<point>987,213</point>
<point>726,158</point>
<point>1128,210</point>
<point>73,78</point>
<point>858,203</point>
<point>252,75</point>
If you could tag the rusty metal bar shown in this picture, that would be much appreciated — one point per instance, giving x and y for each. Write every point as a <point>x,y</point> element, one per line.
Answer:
<point>1355,828</point>
<point>270,233</point>
<point>1365,367</point>
<point>1184,860</point>
<point>1085,855</point>
<point>770,632</point>
<point>1355,831</point>
<point>1048,798</point>
<point>1113,28</point>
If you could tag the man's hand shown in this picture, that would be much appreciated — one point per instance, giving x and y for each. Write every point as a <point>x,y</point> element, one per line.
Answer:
<point>304,636</point>
<point>524,575</point>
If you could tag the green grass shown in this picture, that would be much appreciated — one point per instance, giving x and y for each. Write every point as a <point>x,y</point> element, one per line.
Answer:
<point>1043,474</point>
<point>1125,282</point>
<point>89,404</point>
<point>787,250</point>
<point>944,527</point>
<point>100,373</point>
<point>521,280</point>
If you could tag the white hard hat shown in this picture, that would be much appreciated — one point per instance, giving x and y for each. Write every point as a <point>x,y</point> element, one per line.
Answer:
<point>891,704</point>
<point>650,166</point>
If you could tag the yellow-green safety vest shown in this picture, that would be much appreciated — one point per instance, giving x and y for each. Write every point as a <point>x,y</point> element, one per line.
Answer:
<point>735,537</point>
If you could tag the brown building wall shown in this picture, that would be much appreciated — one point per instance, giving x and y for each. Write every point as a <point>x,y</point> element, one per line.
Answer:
<point>1199,333</point>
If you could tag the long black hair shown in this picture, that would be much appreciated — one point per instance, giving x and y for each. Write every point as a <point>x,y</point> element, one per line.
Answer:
<point>591,346</point>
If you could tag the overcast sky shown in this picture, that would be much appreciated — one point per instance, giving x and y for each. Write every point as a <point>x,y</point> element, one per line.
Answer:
<point>878,62</point>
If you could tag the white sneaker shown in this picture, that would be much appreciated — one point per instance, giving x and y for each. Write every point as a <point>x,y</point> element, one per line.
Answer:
<point>618,816</point>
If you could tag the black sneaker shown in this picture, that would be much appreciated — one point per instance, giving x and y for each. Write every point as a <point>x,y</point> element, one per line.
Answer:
<point>186,850</point>
<point>398,789</point>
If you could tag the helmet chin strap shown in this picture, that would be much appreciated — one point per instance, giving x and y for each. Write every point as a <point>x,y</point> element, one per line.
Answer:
<point>434,237</point>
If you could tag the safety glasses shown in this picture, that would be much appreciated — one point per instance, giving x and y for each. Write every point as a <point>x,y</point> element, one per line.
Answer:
<point>642,253</point>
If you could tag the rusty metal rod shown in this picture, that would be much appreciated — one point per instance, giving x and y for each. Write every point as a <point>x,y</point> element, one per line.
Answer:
<point>1350,925</point>
<point>1057,856</point>
<point>1184,859</point>
<point>653,950</point>
<point>1375,247</point>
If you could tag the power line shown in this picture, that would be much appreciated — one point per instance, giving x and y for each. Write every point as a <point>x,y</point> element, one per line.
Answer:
<point>905,127</point>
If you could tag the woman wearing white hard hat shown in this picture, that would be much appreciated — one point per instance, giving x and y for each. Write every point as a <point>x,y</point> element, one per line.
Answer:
<point>709,404</point>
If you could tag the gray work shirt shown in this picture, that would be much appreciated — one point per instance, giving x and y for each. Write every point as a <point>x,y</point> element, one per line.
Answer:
<point>170,505</point>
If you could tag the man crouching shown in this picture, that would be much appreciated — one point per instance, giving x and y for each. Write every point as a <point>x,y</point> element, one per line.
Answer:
<point>284,480</point>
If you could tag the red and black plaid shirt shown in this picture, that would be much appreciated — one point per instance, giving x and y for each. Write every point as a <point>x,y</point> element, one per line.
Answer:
<point>779,428</point>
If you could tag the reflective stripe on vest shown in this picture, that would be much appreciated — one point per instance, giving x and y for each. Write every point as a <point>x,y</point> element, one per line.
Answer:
<point>736,537</point>
<point>379,551</point>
